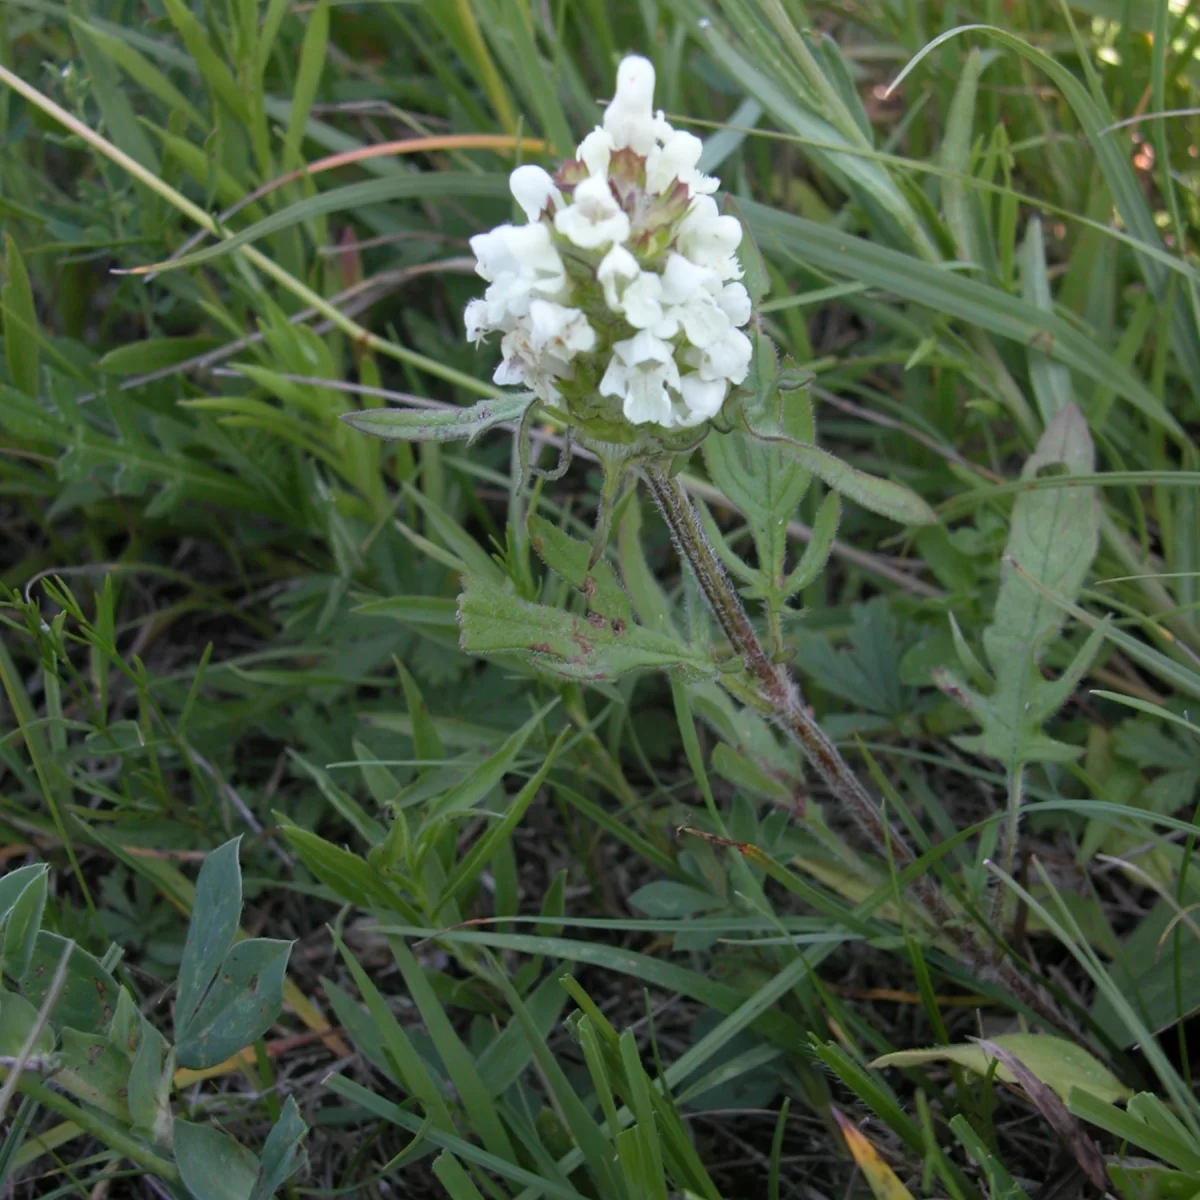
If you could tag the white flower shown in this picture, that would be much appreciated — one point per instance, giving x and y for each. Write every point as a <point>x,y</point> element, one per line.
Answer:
<point>565,331</point>
<point>675,160</point>
<point>629,119</point>
<point>476,321</point>
<point>595,150</point>
<point>617,268</point>
<point>728,358</point>
<point>735,301</point>
<point>639,373</point>
<point>651,303</point>
<point>533,190</point>
<point>706,237</point>
<point>682,278</point>
<point>594,219</point>
<point>641,301</point>
<point>703,397</point>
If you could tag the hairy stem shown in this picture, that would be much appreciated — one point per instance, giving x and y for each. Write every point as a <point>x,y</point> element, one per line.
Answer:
<point>779,693</point>
<point>1006,851</point>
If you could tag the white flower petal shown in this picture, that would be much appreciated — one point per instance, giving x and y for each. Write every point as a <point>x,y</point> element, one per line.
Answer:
<point>704,323</point>
<point>617,268</point>
<point>682,278</point>
<point>564,331</point>
<point>492,253</point>
<point>705,236</point>
<point>595,150</point>
<point>641,301</point>
<point>729,358</point>
<point>644,347</point>
<point>594,218</point>
<point>475,319</point>
<point>703,397</point>
<point>735,301</point>
<point>647,401</point>
<point>533,189</point>
<point>616,378</point>
<point>675,159</point>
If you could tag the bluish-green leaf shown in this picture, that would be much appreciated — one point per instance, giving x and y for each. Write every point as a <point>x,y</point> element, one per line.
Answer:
<point>283,1152</point>
<point>22,902</point>
<point>241,1006</point>
<point>213,927</point>
<point>212,1164</point>
<point>89,995</point>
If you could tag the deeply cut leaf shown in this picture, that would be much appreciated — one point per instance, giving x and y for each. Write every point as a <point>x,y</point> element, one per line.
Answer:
<point>1053,538</point>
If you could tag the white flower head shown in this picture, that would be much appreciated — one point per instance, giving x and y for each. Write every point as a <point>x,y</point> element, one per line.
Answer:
<point>621,294</point>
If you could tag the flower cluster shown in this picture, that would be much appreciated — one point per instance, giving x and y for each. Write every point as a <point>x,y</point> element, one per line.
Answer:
<point>620,296</point>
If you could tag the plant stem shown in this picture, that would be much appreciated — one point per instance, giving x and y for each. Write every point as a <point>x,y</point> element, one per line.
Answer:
<point>1007,849</point>
<point>115,1139</point>
<point>779,694</point>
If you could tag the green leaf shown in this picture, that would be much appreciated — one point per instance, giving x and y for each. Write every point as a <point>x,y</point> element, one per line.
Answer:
<point>241,1006</point>
<point>432,184</point>
<point>439,424</point>
<point>17,1020</point>
<point>151,1081</point>
<point>666,898</point>
<point>452,1175</point>
<point>1095,117</point>
<point>956,157</point>
<point>570,558</point>
<point>1159,977</point>
<point>216,73</point>
<point>1001,1185</point>
<point>283,1152</point>
<point>761,477</point>
<point>211,932</point>
<point>212,1164</point>
<point>495,620</point>
<point>22,902</point>
<point>1160,1139</point>
<point>879,495</point>
<point>868,673</point>
<point>820,545</point>
<point>1059,1064</point>
<point>154,354</point>
<point>20,323</point>
<point>308,77</point>
<point>118,113</point>
<point>1053,539</point>
<point>1051,380</point>
<point>141,70</point>
<point>484,850</point>
<point>96,1072</point>
<point>829,249</point>
<point>649,602</point>
<point>459,1064</point>
<point>89,995</point>
<point>350,877</point>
